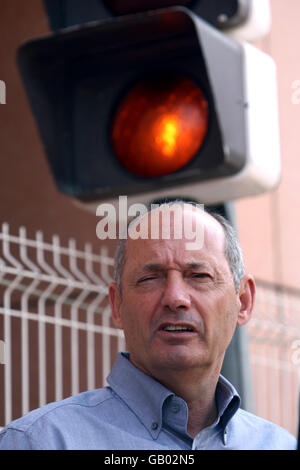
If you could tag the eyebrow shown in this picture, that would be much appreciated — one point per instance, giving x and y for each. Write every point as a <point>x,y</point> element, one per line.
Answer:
<point>160,267</point>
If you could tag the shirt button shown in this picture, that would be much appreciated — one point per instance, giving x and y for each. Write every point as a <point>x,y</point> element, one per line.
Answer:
<point>154,426</point>
<point>175,408</point>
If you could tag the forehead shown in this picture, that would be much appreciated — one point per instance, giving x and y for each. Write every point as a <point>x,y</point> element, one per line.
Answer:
<point>168,236</point>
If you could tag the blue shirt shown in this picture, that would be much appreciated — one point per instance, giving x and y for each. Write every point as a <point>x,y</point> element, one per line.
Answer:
<point>137,412</point>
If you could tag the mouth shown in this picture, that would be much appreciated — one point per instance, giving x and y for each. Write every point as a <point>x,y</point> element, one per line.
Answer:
<point>176,328</point>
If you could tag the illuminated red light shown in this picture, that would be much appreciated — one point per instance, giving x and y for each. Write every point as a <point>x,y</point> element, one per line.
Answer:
<point>160,125</point>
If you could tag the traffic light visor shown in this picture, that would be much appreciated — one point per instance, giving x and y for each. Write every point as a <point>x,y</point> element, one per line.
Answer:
<point>119,7</point>
<point>160,125</point>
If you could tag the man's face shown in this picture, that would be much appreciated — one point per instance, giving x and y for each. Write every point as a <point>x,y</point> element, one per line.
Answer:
<point>178,307</point>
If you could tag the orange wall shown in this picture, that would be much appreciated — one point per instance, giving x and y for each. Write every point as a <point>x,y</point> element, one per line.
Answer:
<point>28,195</point>
<point>269,225</point>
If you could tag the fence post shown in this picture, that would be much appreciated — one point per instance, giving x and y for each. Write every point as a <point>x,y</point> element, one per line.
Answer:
<point>2,92</point>
<point>2,352</point>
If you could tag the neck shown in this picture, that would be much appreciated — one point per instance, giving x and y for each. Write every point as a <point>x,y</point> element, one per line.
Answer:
<point>201,414</point>
<point>197,388</point>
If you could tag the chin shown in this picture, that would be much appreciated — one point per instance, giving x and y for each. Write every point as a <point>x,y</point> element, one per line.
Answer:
<point>178,360</point>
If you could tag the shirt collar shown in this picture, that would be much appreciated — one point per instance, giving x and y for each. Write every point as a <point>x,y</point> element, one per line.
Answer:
<point>227,399</point>
<point>228,402</point>
<point>145,396</point>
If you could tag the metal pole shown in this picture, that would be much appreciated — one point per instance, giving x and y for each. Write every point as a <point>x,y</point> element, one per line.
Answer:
<point>236,367</point>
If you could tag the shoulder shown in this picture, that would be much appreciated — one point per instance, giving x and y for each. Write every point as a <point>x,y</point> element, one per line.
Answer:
<point>54,417</point>
<point>261,433</point>
<point>86,400</point>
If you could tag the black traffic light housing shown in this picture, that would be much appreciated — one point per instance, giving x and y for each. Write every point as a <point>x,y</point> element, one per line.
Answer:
<point>222,14</point>
<point>76,77</point>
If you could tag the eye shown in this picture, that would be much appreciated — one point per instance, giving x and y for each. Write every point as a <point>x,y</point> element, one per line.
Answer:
<point>147,278</point>
<point>201,276</point>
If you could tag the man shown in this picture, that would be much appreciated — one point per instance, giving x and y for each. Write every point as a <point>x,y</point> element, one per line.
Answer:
<point>179,305</point>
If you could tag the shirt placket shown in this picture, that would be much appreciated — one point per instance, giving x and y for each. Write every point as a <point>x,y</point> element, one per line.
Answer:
<point>205,437</point>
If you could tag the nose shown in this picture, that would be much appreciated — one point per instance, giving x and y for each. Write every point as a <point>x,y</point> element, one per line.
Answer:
<point>176,296</point>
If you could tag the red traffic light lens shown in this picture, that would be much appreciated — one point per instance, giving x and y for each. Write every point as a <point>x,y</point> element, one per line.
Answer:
<point>160,125</point>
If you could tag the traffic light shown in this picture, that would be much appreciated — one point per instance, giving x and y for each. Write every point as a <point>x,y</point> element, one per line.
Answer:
<point>152,104</point>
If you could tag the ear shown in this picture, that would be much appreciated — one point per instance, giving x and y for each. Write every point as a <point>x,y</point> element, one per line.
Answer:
<point>115,304</point>
<point>246,296</point>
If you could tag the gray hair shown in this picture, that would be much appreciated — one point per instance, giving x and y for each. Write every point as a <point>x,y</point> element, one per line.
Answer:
<point>232,249</point>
